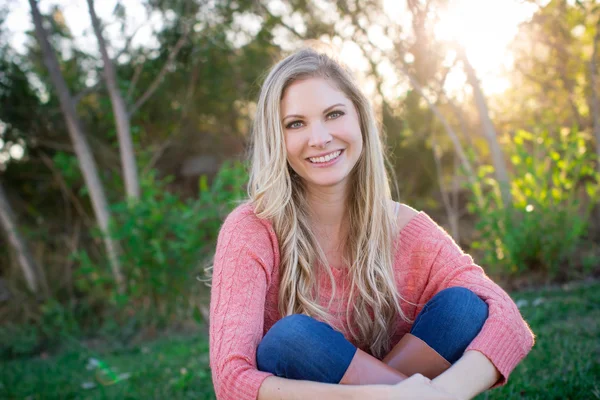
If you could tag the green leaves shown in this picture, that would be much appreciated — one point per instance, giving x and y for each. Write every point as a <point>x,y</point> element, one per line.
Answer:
<point>165,239</point>
<point>68,167</point>
<point>547,223</point>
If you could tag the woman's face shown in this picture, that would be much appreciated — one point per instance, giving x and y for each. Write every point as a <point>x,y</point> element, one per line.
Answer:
<point>322,132</point>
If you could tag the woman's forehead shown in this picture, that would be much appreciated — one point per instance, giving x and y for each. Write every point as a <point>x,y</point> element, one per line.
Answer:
<point>311,94</point>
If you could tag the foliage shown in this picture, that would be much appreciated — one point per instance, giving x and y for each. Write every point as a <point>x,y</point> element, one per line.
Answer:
<point>561,365</point>
<point>165,240</point>
<point>18,340</point>
<point>56,324</point>
<point>551,86</point>
<point>554,189</point>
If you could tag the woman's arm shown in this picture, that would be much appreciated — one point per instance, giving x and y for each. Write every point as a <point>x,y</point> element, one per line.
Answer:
<point>505,338</point>
<point>242,270</point>
<point>275,388</point>
<point>415,387</point>
<point>480,370</point>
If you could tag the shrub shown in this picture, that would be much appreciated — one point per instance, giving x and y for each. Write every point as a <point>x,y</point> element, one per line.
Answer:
<point>554,188</point>
<point>18,340</point>
<point>53,325</point>
<point>164,241</point>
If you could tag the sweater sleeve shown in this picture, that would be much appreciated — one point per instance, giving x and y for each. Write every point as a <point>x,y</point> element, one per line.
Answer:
<point>505,338</point>
<point>241,273</point>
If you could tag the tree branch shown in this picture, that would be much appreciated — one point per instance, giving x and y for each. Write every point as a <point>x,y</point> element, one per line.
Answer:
<point>136,75</point>
<point>127,44</point>
<point>401,65</point>
<point>96,86</point>
<point>279,20</point>
<point>157,81</point>
<point>184,112</point>
<point>64,187</point>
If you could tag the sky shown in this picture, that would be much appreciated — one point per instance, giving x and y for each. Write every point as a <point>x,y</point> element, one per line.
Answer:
<point>78,20</point>
<point>484,27</point>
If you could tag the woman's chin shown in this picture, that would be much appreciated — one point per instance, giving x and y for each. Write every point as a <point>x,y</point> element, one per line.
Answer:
<point>327,182</point>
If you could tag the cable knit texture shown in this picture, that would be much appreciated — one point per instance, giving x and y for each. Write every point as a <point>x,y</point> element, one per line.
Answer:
<point>244,297</point>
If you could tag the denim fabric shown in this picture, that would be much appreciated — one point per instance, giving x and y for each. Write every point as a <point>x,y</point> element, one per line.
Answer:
<point>300,347</point>
<point>450,321</point>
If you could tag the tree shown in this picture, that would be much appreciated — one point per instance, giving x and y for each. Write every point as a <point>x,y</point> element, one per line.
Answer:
<point>550,74</point>
<point>595,103</point>
<point>405,118</point>
<point>488,130</point>
<point>80,144</point>
<point>8,223</point>
<point>132,185</point>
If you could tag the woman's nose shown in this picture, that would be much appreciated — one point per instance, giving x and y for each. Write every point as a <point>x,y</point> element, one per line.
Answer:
<point>319,135</point>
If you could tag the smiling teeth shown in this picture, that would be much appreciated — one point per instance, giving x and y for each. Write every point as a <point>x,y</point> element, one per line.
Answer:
<point>326,158</point>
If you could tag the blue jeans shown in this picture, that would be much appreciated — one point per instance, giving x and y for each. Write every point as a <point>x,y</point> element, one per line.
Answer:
<point>300,347</point>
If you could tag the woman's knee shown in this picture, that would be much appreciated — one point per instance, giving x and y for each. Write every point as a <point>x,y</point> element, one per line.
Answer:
<point>289,331</point>
<point>300,347</point>
<point>285,337</point>
<point>462,306</point>
<point>450,321</point>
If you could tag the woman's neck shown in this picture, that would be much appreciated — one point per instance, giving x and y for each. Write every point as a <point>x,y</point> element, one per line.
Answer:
<point>328,208</point>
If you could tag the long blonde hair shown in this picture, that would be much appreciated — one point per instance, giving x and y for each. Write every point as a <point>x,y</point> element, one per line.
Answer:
<point>279,195</point>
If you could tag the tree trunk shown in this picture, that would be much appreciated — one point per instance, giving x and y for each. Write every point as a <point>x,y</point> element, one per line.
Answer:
<point>489,131</point>
<point>9,225</point>
<point>80,144</point>
<point>595,109</point>
<point>132,185</point>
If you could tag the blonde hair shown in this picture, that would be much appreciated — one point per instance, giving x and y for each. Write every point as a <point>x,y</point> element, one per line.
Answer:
<point>278,194</point>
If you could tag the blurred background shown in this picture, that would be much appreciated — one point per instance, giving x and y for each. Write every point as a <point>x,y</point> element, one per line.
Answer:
<point>123,130</point>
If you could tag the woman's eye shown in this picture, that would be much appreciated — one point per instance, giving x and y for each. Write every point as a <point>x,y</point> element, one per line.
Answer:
<point>294,125</point>
<point>334,114</point>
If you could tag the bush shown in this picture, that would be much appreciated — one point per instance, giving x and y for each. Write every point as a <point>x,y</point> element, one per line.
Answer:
<point>554,188</point>
<point>19,340</point>
<point>53,325</point>
<point>164,241</point>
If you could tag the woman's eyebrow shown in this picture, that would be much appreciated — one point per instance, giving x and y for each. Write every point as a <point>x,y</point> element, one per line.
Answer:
<point>292,115</point>
<point>332,107</point>
<point>324,112</point>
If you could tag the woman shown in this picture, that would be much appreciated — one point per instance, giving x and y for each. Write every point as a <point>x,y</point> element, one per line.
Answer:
<point>323,287</point>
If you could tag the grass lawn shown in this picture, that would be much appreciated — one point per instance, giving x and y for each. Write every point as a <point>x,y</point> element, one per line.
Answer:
<point>564,364</point>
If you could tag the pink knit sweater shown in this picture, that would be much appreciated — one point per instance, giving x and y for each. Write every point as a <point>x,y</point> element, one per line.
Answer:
<point>245,288</point>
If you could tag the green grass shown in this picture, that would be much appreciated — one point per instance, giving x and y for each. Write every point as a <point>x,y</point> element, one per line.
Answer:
<point>564,364</point>
<point>170,368</point>
<point>565,361</point>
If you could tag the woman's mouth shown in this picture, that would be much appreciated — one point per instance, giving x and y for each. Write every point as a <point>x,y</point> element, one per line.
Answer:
<point>327,159</point>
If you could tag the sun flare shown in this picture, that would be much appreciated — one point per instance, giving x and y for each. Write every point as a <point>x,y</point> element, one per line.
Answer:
<point>484,28</point>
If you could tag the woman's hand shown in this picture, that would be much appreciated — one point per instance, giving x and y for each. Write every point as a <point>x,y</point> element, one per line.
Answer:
<point>418,387</point>
<point>481,372</point>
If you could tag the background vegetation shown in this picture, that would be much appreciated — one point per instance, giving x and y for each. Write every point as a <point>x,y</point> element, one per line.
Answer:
<point>123,127</point>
